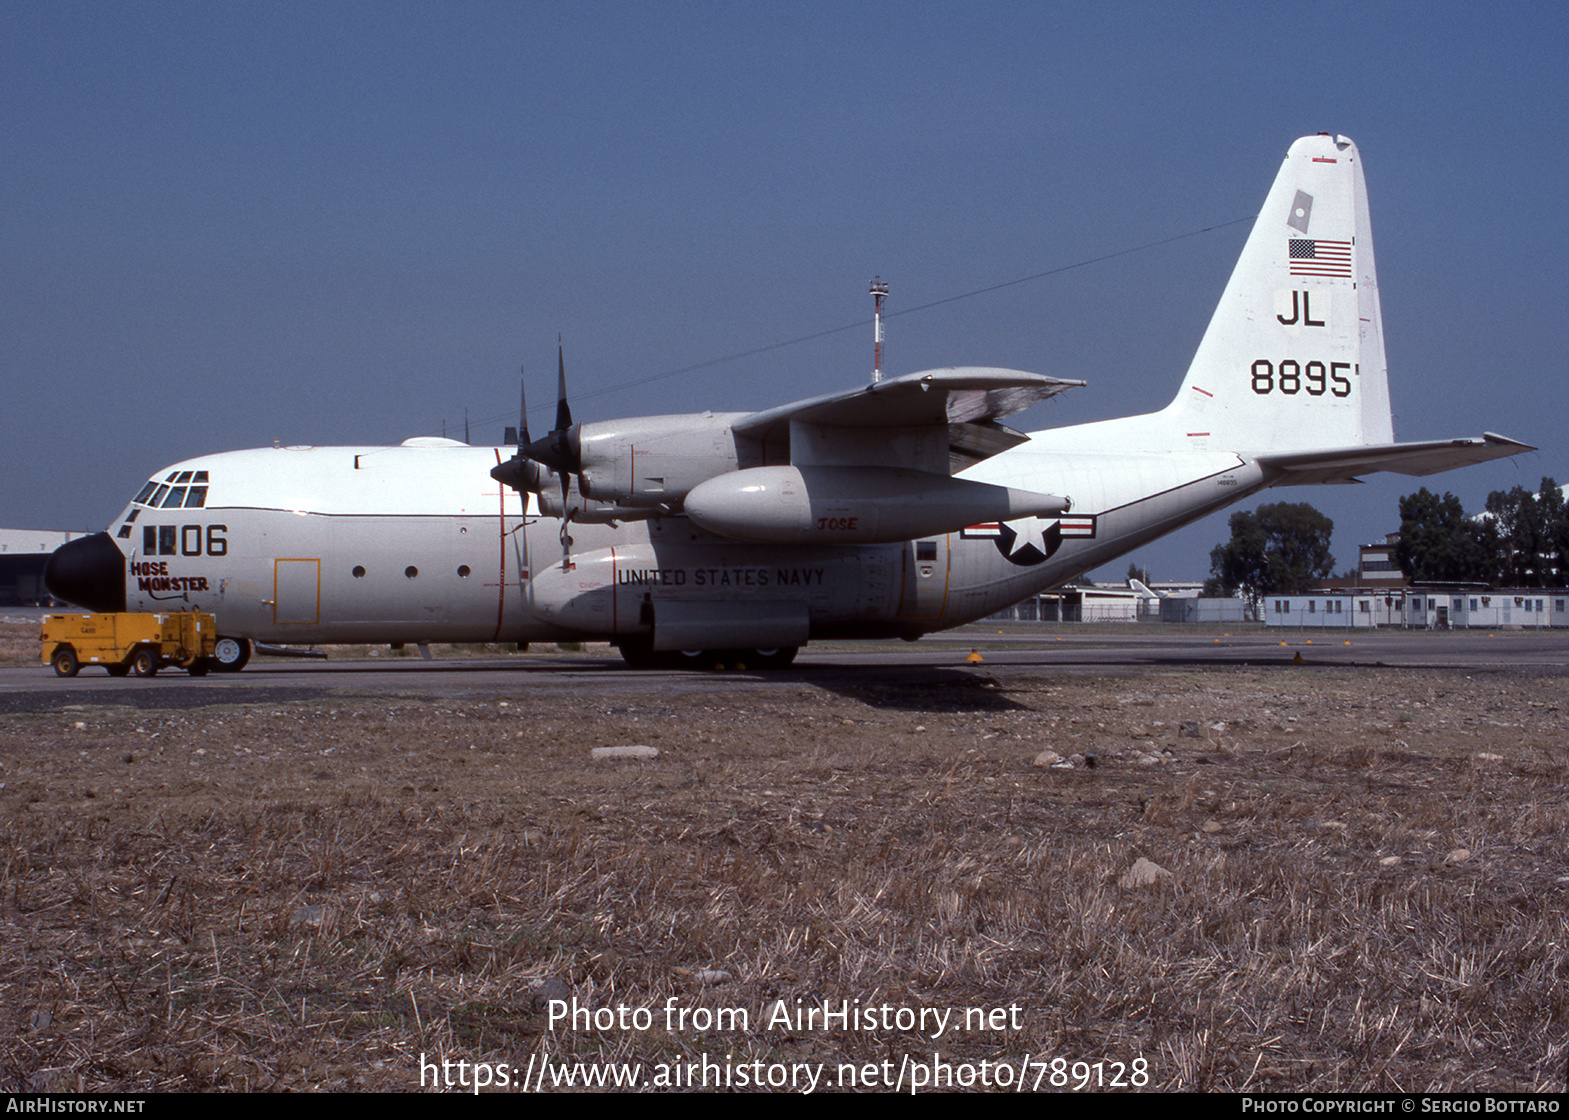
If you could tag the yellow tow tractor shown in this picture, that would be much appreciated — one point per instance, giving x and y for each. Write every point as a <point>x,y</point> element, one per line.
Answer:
<point>125,642</point>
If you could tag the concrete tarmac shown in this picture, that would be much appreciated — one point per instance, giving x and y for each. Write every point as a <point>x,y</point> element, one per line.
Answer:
<point>1018,654</point>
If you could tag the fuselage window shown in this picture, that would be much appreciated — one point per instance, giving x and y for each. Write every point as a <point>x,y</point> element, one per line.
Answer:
<point>201,476</point>
<point>141,499</point>
<point>359,571</point>
<point>158,497</point>
<point>411,571</point>
<point>197,497</point>
<point>185,476</point>
<point>175,499</point>
<point>463,571</point>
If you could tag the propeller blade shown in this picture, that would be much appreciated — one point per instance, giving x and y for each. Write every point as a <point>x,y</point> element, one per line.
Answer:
<point>561,450</point>
<point>519,472</point>
<point>523,440</point>
<point>563,410</point>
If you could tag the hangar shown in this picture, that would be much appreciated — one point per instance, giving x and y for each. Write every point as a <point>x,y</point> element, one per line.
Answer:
<point>23,554</point>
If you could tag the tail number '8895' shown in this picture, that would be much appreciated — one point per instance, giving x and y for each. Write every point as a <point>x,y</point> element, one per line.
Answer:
<point>1292,378</point>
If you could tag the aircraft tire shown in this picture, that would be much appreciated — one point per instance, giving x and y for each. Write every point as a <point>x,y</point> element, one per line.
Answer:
<point>639,653</point>
<point>64,662</point>
<point>144,662</point>
<point>701,658</point>
<point>778,658</point>
<point>230,655</point>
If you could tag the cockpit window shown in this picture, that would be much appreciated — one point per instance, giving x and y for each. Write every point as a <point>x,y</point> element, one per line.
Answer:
<point>158,496</point>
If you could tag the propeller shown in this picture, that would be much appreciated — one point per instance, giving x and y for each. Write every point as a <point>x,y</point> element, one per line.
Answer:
<point>562,449</point>
<point>569,447</point>
<point>559,451</point>
<point>519,472</point>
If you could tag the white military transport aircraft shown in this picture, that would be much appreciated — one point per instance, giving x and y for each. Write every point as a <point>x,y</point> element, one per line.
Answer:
<point>891,510</point>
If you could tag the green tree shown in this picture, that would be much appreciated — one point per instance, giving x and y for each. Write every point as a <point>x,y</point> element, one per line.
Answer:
<point>1276,549</point>
<point>1439,543</point>
<point>1532,536</point>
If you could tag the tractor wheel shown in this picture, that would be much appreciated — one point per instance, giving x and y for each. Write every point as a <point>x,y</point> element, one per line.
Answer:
<point>64,662</point>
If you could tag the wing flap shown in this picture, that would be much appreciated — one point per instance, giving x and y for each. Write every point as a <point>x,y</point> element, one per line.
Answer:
<point>976,440</point>
<point>936,396</point>
<point>964,401</point>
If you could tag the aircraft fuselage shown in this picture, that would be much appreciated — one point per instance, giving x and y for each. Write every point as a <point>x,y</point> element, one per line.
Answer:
<point>418,544</point>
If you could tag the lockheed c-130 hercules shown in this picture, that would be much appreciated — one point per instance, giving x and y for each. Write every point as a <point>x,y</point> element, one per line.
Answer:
<point>890,510</point>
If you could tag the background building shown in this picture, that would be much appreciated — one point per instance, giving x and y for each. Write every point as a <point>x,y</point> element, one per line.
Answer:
<point>23,554</point>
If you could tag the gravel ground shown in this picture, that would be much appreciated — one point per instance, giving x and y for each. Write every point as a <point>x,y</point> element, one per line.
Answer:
<point>1350,880</point>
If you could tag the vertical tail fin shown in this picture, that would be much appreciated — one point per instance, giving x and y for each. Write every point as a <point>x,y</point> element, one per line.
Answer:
<point>1293,359</point>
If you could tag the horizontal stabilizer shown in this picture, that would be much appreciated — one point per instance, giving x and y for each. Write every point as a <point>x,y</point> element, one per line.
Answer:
<point>1344,464</point>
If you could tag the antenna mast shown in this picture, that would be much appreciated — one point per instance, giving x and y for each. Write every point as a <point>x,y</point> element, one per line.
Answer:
<point>879,293</point>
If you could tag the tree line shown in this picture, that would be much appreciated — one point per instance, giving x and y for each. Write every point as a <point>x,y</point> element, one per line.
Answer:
<point>1522,540</point>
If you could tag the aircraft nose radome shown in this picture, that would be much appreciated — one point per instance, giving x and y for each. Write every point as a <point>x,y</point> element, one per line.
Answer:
<point>90,572</point>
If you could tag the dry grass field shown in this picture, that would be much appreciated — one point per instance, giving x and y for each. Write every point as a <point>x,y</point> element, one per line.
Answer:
<point>1364,885</point>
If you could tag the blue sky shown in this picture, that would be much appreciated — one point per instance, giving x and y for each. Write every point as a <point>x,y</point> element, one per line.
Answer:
<point>230,224</point>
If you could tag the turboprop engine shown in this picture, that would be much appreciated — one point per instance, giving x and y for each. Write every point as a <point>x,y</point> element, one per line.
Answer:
<point>656,460</point>
<point>869,466</point>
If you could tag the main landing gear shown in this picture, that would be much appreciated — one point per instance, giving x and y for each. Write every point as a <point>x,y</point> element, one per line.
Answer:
<point>640,654</point>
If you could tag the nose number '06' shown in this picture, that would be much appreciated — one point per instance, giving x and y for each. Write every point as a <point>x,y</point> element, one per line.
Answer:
<point>1293,377</point>
<point>185,540</point>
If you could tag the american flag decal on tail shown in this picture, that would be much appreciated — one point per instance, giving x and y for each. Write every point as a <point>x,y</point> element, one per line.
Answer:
<point>1310,257</point>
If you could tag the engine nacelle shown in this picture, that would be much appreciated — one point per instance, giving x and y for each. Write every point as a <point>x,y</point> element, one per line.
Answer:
<point>854,505</point>
<point>585,511</point>
<point>655,460</point>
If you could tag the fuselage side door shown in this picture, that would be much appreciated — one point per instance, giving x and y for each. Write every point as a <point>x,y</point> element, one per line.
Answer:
<point>296,592</point>
<point>924,593</point>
